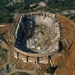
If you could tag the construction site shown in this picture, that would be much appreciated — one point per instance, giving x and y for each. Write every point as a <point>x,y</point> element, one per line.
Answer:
<point>38,34</point>
<point>36,41</point>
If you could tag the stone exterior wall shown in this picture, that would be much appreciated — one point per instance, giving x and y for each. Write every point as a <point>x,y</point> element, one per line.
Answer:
<point>29,57</point>
<point>52,50</point>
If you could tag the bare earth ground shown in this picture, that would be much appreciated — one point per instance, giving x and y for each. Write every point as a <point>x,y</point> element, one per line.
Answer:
<point>68,59</point>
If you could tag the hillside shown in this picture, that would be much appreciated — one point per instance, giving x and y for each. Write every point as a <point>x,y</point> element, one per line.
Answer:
<point>67,60</point>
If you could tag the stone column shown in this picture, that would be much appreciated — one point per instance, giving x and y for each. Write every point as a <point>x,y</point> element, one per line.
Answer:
<point>37,60</point>
<point>18,55</point>
<point>26,58</point>
<point>49,57</point>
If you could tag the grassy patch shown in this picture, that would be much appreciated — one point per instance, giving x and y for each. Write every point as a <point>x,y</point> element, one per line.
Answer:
<point>73,19</point>
<point>60,65</point>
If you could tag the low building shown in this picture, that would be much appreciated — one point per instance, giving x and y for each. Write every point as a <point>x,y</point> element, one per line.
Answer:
<point>18,1</point>
<point>42,4</point>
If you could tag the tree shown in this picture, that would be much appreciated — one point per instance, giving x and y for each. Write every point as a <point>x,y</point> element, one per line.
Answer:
<point>51,69</point>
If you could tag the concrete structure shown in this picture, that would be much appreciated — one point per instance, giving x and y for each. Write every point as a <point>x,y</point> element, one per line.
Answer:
<point>45,20</point>
<point>2,25</point>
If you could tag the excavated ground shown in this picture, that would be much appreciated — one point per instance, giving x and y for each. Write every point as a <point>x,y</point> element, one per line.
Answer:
<point>67,61</point>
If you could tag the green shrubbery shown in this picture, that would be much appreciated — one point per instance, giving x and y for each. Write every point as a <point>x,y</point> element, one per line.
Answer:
<point>60,65</point>
<point>53,6</point>
<point>61,5</point>
<point>51,70</point>
<point>4,12</point>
